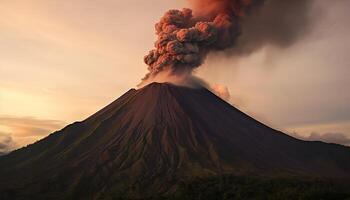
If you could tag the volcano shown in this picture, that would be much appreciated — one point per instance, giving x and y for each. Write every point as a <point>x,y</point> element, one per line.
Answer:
<point>150,139</point>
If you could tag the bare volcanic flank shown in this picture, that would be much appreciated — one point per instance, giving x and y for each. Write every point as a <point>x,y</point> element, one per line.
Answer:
<point>149,139</point>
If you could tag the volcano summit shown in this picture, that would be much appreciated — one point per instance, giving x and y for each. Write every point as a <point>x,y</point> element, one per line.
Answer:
<point>149,140</point>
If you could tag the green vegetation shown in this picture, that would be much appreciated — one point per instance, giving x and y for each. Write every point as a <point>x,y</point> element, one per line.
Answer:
<point>246,188</point>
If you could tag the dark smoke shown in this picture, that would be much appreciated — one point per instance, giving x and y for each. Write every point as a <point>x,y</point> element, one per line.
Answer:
<point>184,40</point>
<point>278,23</point>
<point>240,26</point>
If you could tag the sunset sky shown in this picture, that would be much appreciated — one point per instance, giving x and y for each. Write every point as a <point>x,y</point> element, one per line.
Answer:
<point>61,61</point>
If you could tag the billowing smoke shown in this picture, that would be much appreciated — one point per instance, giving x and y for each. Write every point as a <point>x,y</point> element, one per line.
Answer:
<point>238,27</point>
<point>185,40</point>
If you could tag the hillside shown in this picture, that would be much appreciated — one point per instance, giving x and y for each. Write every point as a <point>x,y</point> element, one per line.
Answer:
<point>149,140</point>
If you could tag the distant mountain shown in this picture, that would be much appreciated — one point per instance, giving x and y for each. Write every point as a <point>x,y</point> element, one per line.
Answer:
<point>151,139</point>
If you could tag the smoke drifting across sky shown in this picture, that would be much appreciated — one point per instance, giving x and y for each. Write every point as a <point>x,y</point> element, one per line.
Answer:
<point>279,23</point>
<point>239,27</point>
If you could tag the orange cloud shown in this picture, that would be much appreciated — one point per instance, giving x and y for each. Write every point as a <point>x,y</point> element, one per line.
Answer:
<point>24,130</point>
<point>221,91</point>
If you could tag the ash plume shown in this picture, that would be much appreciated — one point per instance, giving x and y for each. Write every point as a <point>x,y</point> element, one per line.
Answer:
<point>278,23</point>
<point>185,40</point>
<point>238,27</point>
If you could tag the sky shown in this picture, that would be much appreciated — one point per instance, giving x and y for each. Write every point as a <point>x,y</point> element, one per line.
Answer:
<point>61,61</point>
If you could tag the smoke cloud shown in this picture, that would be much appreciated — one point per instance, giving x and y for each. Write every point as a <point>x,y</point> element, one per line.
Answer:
<point>278,23</point>
<point>185,40</point>
<point>239,27</point>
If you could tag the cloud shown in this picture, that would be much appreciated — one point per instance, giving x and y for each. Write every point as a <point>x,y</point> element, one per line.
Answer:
<point>19,131</point>
<point>30,126</point>
<point>337,138</point>
<point>221,91</point>
<point>6,143</point>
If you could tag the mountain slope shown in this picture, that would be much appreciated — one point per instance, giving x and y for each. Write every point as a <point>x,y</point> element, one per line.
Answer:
<point>149,139</point>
